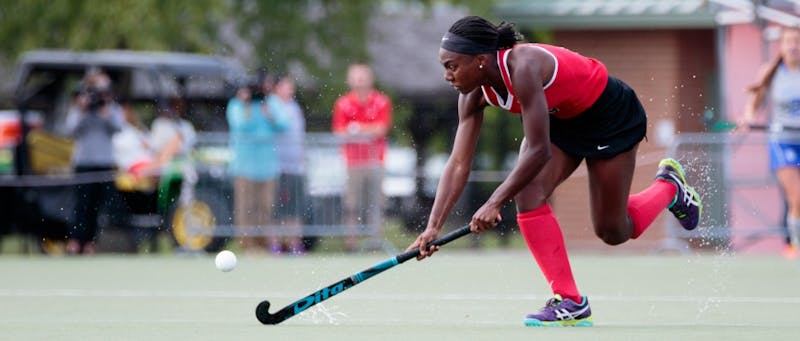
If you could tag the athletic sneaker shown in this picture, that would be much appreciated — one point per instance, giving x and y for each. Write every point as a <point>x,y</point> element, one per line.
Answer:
<point>687,205</point>
<point>559,312</point>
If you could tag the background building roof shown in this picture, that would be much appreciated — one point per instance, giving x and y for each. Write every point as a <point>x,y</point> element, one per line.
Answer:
<point>607,14</point>
<point>404,46</point>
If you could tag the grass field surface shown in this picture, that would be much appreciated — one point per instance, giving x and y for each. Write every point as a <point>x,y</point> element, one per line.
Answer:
<point>456,295</point>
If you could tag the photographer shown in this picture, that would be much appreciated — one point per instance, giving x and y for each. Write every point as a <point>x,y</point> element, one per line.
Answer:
<point>92,120</point>
<point>255,166</point>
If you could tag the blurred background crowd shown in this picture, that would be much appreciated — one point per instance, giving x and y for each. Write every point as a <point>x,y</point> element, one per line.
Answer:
<point>269,126</point>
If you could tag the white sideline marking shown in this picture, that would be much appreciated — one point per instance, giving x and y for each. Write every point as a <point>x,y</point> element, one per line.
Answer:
<point>104,293</point>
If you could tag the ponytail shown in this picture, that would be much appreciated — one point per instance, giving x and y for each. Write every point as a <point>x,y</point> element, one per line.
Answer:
<point>766,79</point>
<point>507,36</point>
<point>475,35</point>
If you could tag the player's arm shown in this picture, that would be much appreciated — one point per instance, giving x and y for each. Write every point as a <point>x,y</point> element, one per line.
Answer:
<point>276,114</point>
<point>236,113</point>
<point>374,129</point>
<point>339,121</point>
<point>380,125</point>
<point>457,169</point>
<point>458,166</point>
<point>529,67</point>
<point>755,100</point>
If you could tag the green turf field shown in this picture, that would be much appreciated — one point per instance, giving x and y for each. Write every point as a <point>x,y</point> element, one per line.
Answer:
<point>457,295</point>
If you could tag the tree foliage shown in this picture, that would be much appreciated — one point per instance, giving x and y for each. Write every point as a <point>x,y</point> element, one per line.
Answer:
<point>322,35</point>
<point>319,37</point>
<point>177,25</point>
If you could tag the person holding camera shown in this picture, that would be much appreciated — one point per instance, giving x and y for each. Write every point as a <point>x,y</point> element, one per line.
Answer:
<point>92,120</point>
<point>255,166</point>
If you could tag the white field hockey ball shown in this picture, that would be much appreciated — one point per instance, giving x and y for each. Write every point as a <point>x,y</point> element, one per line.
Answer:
<point>225,261</point>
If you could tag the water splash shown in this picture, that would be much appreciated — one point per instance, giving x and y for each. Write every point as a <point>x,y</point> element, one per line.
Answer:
<point>704,171</point>
<point>324,314</point>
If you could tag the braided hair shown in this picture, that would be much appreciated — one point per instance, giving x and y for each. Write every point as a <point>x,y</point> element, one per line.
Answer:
<point>483,32</point>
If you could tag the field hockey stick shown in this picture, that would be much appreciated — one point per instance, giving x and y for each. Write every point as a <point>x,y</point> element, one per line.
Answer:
<point>262,310</point>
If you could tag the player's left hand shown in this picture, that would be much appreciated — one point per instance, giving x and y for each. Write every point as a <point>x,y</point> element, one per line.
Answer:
<point>423,241</point>
<point>485,218</point>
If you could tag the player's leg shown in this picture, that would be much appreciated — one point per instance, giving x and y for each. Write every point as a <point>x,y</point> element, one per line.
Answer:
<point>103,195</point>
<point>242,215</point>
<point>784,162</point>
<point>288,208</point>
<point>76,231</point>
<point>618,217</point>
<point>789,179</point>
<point>374,206</point>
<point>686,206</point>
<point>609,187</point>
<point>354,203</point>
<point>265,199</point>
<point>543,235</point>
<point>85,215</point>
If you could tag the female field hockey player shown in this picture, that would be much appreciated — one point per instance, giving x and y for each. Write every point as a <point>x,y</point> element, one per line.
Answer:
<point>779,83</point>
<point>571,111</point>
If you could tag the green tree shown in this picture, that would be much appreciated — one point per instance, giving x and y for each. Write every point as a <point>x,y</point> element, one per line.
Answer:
<point>320,36</point>
<point>177,25</point>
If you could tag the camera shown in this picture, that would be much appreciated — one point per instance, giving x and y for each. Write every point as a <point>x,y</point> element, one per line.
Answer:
<point>256,92</point>
<point>97,97</point>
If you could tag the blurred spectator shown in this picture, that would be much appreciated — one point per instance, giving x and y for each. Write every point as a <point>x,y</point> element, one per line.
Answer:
<point>92,120</point>
<point>291,201</point>
<point>133,152</point>
<point>363,118</point>
<point>171,135</point>
<point>253,123</point>
<point>172,138</point>
<point>780,80</point>
<point>137,172</point>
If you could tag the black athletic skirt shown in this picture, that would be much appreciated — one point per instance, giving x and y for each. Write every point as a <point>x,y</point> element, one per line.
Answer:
<point>614,124</point>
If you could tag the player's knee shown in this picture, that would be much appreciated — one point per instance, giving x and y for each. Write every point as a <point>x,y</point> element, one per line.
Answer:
<point>612,236</point>
<point>793,199</point>
<point>529,203</point>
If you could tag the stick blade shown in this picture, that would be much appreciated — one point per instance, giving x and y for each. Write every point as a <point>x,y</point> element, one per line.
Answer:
<point>263,315</point>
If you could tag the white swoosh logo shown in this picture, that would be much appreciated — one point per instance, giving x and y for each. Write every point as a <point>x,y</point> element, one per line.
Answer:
<point>602,147</point>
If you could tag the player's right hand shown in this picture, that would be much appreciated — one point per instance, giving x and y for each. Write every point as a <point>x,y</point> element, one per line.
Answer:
<point>743,126</point>
<point>422,242</point>
<point>745,122</point>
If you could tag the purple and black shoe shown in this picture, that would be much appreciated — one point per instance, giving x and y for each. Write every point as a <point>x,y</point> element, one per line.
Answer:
<point>558,312</point>
<point>687,205</point>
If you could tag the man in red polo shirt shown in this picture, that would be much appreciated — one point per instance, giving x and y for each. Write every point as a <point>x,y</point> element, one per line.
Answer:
<point>362,117</point>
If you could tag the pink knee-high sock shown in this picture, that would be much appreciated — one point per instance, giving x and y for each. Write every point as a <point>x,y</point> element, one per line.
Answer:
<point>543,236</point>
<point>644,207</point>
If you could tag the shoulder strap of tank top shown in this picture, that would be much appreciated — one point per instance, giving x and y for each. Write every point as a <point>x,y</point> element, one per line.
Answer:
<point>502,62</point>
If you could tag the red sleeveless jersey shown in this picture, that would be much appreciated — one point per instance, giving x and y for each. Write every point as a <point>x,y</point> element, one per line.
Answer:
<point>577,82</point>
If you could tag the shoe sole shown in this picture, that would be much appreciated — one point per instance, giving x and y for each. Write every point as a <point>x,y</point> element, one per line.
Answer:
<point>587,322</point>
<point>682,174</point>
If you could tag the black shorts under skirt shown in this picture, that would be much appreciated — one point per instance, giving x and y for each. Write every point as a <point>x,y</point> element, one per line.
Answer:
<point>614,124</point>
